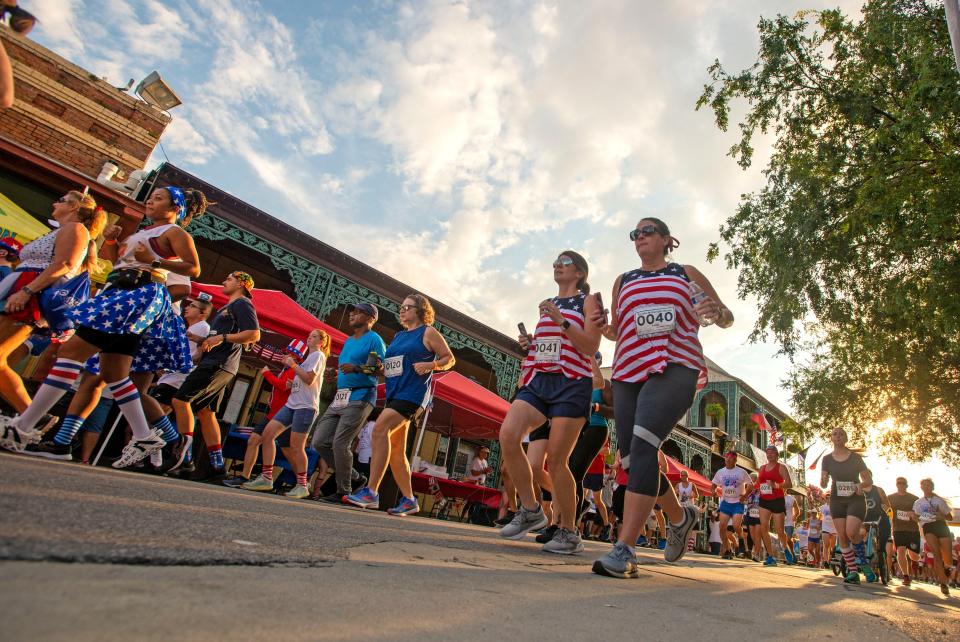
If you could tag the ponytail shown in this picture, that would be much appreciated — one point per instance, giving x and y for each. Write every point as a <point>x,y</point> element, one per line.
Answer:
<point>197,203</point>
<point>92,217</point>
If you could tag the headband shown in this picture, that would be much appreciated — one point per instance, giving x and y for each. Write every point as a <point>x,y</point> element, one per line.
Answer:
<point>179,199</point>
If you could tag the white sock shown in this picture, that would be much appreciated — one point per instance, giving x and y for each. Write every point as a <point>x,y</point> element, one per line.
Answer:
<point>128,398</point>
<point>59,380</point>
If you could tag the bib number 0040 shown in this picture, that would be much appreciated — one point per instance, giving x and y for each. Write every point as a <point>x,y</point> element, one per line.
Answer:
<point>655,320</point>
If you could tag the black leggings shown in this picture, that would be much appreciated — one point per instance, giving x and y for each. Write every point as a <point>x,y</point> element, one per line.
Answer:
<point>645,413</point>
<point>586,449</point>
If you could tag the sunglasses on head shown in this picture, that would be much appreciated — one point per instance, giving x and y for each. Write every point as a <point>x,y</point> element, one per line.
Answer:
<point>646,230</point>
<point>563,261</point>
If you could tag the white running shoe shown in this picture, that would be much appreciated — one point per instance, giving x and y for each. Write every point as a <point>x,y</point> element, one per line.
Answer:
<point>137,449</point>
<point>15,439</point>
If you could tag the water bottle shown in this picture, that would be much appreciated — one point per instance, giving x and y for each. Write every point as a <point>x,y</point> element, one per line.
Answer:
<point>696,296</point>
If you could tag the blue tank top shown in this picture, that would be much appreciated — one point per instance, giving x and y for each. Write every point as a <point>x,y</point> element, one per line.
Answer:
<point>403,382</point>
<point>596,419</point>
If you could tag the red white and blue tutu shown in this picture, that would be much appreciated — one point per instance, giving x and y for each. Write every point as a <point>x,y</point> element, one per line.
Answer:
<point>146,311</point>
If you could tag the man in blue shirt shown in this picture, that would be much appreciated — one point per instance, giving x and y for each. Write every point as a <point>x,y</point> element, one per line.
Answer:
<point>355,398</point>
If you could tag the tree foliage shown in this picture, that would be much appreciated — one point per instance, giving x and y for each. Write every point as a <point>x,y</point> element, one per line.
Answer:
<point>851,246</point>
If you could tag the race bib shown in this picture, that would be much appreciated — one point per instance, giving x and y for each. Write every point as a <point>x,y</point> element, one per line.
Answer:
<point>903,515</point>
<point>546,350</point>
<point>766,488</point>
<point>341,399</point>
<point>814,533</point>
<point>655,320</point>
<point>731,493</point>
<point>754,511</point>
<point>926,517</point>
<point>846,488</point>
<point>393,366</point>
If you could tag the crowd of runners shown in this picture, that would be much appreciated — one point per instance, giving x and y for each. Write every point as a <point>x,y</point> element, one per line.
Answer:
<point>165,357</point>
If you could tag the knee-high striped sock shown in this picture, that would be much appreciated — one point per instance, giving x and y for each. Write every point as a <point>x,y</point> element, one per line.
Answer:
<point>216,455</point>
<point>59,380</point>
<point>850,558</point>
<point>128,398</point>
<point>301,479</point>
<point>861,552</point>
<point>267,473</point>
<point>68,429</point>
<point>167,430</point>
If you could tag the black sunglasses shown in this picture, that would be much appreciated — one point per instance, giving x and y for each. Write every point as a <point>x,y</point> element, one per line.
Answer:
<point>21,20</point>
<point>646,230</point>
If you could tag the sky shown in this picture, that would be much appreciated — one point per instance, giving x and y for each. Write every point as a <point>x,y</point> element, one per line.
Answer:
<point>457,146</point>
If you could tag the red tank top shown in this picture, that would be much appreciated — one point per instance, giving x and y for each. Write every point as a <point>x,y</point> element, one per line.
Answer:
<point>769,477</point>
<point>552,350</point>
<point>596,466</point>
<point>656,325</point>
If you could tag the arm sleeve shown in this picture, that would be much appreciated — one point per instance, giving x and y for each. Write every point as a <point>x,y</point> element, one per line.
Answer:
<point>272,379</point>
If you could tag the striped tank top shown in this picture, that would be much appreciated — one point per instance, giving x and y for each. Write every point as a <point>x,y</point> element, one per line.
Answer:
<point>552,350</point>
<point>656,325</point>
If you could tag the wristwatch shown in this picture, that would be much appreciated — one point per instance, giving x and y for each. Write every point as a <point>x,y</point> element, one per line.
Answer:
<point>155,264</point>
<point>565,324</point>
<point>27,290</point>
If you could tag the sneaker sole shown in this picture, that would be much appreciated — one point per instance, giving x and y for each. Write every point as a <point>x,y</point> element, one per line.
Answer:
<point>579,549</point>
<point>296,496</point>
<point>542,523</point>
<point>402,513</point>
<point>375,505</point>
<point>35,453</point>
<point>600,569</point>
<point>258,490</point>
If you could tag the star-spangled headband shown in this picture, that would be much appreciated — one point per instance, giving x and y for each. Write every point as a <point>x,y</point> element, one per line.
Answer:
<point>297,347</point>
<point>179,199</point>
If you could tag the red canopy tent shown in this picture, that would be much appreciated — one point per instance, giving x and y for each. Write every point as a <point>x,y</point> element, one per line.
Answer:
<point>279,313</point>
<point>673,474</point>
<point>462,407</point>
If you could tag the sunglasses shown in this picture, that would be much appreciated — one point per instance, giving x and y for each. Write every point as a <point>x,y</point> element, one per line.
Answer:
<point>21,21</point>
<point>63,199</point>
<point>563,261</point>
<point>405,307</point>
<point>646,230</point>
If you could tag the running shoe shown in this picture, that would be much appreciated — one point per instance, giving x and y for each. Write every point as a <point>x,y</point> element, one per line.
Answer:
<point>524,522</point>
<point>364,498</point>
<point>332,498</point>
<point>852,578</point>
<point>728,555</point>
<point>506,519</point>
<point>207,474</point>
<point>298,492</point>
<point>945,589</point>
<point>869,574</point>
<point>770,561</point>
<point>906,580</point>
<point>16,439</point>
<point>676,544</point>
<point>49,449</point>
<point>564,542</point>
<point>789,557</point>
<point>620,562</point>
<point>137,449</point>
<point>261,484</point>
<point>406,506</point>
<point>178,454</point>
<point>235,482</point>
<point>546,534</point>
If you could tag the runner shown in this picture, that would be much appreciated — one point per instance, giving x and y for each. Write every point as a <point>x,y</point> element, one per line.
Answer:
<point>751,520</point>
<point>877,506</point>
<point>906,534</point>
<point>355,398</point>
<point>658,368</point>
<point>847,504</point>
<point>47,261</point>
<point>932,513</point>
<point>135,306</point>
<point>234,326</point>
<point>814,537</point>
<point>803,539</point>
<point>415,353</point>
<point>793,512</point>
<point>688,494</point>
<point>774,479</point>
<point>733,485</point>
<point>828,530</point>
<point>297,415</point>
<point>557,378</point>
<point>281,384</point>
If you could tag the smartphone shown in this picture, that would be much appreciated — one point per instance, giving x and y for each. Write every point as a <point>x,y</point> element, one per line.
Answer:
<point>599,301</point>
<point>522,328</point>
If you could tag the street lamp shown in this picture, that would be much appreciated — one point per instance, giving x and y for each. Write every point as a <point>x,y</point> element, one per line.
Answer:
<point>157,93</point>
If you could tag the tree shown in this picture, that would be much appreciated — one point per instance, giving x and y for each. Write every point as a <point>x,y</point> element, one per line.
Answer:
<point>851,246</point>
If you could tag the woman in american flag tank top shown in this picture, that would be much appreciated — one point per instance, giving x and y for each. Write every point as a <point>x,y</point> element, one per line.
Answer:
<point>557,382</point>
<point>658,367</point>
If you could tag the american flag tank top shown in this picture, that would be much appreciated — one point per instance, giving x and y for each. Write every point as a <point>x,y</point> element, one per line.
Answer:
<point>656,325</point>
<point>552,350</point>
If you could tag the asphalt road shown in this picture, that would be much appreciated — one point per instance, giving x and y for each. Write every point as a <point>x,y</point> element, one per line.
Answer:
<point>94,554</point>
